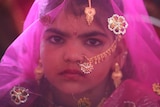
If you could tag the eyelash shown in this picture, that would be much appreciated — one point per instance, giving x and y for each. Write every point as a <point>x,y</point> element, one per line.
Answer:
<point>94,42</point>
<point>56,39</point>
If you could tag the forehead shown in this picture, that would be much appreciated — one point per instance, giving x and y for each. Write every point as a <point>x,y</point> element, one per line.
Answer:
<point>72,17</point>
<point>65,21</point>
<point>68,24</point>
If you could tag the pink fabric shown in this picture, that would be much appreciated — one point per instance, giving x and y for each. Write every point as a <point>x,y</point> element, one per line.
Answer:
<point>143,42</point>
<point>21,57</point>
<point>23,53</point>
<point>131,94</point>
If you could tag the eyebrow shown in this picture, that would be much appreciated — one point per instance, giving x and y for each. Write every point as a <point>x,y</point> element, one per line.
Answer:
<point>93,33</point>
<point>57,31</point>
<point>84,35</point>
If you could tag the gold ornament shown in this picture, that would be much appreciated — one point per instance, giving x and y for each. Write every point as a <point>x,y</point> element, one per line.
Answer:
<point>87,67</point>
<point>117,24</point>
<point>19,95</point>
<point>84,102</point>
<point>90,12</point>
<point>38,72</point>
<point>117,75</point>
<point>156,88</point>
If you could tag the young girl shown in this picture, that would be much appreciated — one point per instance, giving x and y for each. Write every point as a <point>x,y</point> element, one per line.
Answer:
<point>79,53</point>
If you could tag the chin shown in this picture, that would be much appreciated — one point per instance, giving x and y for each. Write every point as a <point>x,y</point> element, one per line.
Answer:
<point>71,89</point>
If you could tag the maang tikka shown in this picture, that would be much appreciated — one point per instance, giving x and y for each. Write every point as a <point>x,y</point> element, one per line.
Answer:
<point>90,12</point>
<point>118,25</point>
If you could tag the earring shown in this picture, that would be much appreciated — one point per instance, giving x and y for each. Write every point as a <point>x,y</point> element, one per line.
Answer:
<point>117,75</point>
<point>90,12</point>
<point>38,72</point>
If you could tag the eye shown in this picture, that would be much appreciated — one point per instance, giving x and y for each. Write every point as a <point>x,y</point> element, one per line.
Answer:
<point>56,39</point>
<point>93,42</point>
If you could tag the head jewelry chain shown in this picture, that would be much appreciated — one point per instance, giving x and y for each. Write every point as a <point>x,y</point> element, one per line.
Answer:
<point>118,25</point>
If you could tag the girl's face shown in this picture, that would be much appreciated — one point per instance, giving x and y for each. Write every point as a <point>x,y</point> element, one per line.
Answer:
<point>64,44</point>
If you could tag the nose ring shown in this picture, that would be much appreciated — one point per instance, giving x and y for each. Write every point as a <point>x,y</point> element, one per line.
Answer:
<point>86,67</point>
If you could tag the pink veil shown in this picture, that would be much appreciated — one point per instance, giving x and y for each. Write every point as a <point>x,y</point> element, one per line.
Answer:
<point>20,59</point>
<point>143,42</point>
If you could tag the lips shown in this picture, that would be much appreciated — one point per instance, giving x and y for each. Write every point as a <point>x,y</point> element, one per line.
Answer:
<point>71,73</point>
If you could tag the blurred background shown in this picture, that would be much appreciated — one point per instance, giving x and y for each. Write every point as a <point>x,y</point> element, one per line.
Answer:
<point>13,13</point>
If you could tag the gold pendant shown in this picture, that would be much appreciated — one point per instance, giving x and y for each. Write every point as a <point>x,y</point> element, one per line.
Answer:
<point>84,102</point>
<point>90,12</point>
<point>86,67</point>
<point>156,88</point>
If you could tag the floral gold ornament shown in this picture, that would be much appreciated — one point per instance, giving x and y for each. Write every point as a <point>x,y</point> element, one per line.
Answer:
<point>90,12</point>
<point>156,88</point>
<point>86,67</point>
<point>84,102</point>
<point>19,95</point>
<point>117,24</point>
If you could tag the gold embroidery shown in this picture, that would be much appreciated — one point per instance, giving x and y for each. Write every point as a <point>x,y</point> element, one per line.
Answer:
<point>156,88</point>
<point>84,102</point>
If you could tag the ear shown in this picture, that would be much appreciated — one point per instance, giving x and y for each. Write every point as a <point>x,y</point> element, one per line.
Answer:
<point>121,53</point>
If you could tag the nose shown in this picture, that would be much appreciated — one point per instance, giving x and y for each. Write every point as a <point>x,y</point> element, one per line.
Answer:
<point>73,54</point>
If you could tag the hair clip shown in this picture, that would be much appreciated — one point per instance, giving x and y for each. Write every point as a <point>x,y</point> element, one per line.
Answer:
<point>90,12</point>
<point>19,95</point>
<point>117,24</point>
<point>156,88</point>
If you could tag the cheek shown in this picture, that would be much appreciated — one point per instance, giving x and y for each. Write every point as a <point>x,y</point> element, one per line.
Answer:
<point>102,69</point>
<point>48,64</point>
<point>50,60</point>
<point>51,67</point>
<point>49,54</point>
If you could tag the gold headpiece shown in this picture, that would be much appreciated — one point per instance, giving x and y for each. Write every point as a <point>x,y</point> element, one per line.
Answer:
<point>90,12</point>
<point>118,25</point>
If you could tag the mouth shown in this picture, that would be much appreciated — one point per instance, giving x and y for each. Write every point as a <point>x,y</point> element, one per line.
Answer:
<point>72,74</point>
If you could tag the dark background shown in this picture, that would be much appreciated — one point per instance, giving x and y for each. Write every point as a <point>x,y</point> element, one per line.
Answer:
<point>13,13</point>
